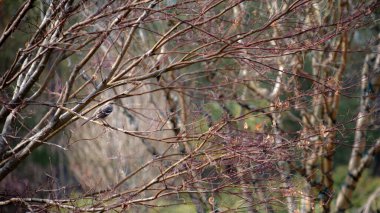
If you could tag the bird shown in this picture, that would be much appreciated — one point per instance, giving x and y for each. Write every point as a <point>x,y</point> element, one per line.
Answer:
<point>102,112</point>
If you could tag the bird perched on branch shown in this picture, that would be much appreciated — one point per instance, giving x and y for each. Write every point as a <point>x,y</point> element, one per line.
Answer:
<point>102,112</point>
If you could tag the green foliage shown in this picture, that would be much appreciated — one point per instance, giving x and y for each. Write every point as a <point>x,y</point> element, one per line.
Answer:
<point>165,206</point>
<point>215,110</point>
<point>42,156</point>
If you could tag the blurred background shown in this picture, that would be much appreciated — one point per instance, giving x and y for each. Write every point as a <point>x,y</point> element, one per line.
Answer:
<point>187,101</point>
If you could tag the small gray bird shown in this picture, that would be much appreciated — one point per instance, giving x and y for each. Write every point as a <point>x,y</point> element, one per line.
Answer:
<point>102,112</point>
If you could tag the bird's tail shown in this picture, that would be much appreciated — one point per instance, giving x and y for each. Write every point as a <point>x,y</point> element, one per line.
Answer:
<point>89,119</point>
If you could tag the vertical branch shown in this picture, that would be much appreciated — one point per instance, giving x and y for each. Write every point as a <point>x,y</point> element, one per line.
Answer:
<point>331,111</point>
<point>345,194</point>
